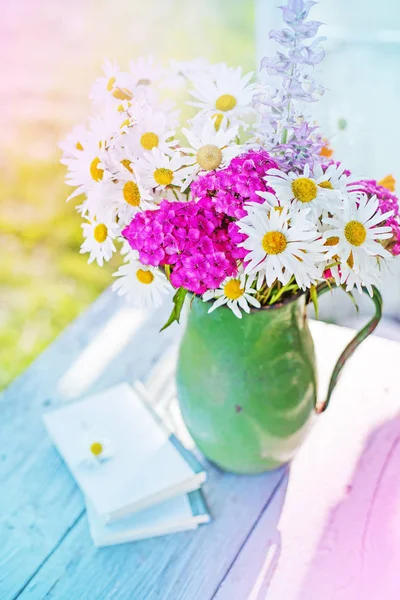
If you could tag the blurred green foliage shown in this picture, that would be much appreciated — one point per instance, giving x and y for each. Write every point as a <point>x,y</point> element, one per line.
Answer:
<point>44,281</point>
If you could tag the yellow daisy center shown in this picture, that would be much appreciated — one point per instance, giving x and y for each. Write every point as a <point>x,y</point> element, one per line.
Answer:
<point>332,241</point>
<point>225,102</point>
<point>96,448</point>
<point>163,176</point>
<point>274,242</point>
<point>121,108</point>
<point>122,94</point>
<point>304,189</point>
<point>125,162</point>
<point>217,118</point>
<point>209,157</point>
<point>100,233</point>
<point>131,193</point>
<point>144,276</point>
<point>355,233</point>
<point>326,184</point>
<point>95,172</point>
<point>232,289</point>
<point>78,146</point>
<point>350,260</point>
<point>149,140</point>
<point>110,84</point>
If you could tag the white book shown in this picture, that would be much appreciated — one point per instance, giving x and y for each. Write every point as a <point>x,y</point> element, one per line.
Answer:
<point>181,513</point>
<point>120,454</point>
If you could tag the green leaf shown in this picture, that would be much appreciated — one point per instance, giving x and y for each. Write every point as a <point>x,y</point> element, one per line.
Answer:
<point>314,298</point>
<point>289,287</point>
<point>178,300</point>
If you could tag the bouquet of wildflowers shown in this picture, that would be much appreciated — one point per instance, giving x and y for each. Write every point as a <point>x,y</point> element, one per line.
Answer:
<point>243,206</point>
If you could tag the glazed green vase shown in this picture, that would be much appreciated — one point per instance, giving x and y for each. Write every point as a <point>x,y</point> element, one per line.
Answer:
<point>247,387</point>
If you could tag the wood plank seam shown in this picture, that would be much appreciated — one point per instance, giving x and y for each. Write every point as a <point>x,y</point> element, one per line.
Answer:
<point>265,507</point>
<point>54,549</point>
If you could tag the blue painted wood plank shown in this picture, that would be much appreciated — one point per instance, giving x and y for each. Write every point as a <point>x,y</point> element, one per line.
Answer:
<point>252,571</point>
<point>186,566</point>
<point>45,548</point>
<point>39,502</point>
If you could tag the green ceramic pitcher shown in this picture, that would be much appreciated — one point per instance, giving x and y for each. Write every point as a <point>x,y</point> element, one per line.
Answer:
<point>247,387</point>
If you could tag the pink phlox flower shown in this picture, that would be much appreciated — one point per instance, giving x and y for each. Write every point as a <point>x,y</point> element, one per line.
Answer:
<point>232,187</point>
<point>191,236</point>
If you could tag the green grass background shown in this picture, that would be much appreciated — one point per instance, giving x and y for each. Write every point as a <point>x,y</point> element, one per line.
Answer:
<point>55,51</point>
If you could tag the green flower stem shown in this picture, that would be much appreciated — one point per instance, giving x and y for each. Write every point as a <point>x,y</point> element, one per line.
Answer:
<point>353,345</point>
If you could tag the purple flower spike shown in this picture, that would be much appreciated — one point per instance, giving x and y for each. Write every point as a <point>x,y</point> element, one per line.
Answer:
<point>278,109</point>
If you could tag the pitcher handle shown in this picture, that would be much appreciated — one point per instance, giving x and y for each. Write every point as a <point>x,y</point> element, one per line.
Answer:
<point>353,345</point>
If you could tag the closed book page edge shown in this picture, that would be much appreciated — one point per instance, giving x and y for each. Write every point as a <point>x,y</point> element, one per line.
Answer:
<point>103,535</point>
<point>189,485</point>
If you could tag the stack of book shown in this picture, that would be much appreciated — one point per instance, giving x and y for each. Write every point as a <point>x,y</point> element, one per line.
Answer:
<point>137,478</point>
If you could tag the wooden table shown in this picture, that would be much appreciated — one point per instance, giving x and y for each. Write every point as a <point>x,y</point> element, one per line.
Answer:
<point>338,528</point>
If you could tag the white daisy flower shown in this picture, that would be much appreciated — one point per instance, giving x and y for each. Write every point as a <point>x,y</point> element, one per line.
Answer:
<point>210,149</point>
<point>281,245</point>
<point>118,199</point>
<point>330,241</point>
<point>108,126</point>
<point>333,177</point>
<point>97,206</point>
<point>145,71</point>
<point>74,142</point>
<point>116,85</point>
<point>184,70</point>
<point>127,252</point>
<point>89,166</point>
<point>270,201</point>
<point>127,196</point>
<point>223,90</point>
<point>159,170</point>
<point>143,285</point>
<point>303,190</point>
<point>99,240</point>
<point>119,156</point>
<point>95,450</point>
<point>355,226</point>
<point>236,293</point>
<point>85,171</point>
<point>369,274</point>
<point>150,131</point>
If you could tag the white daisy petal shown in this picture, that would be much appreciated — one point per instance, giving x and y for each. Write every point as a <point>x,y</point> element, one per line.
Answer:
<point>144,286</point>
<point>354,226</point>
<point>235,292</point>
<point>282,246</point>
